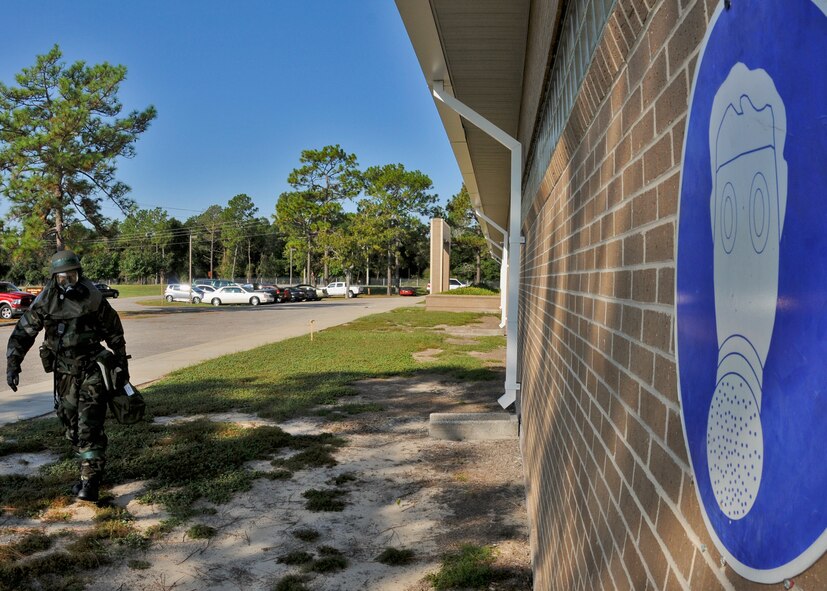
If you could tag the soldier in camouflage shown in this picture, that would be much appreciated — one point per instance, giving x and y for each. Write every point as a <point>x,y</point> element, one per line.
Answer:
<point>76,318</point>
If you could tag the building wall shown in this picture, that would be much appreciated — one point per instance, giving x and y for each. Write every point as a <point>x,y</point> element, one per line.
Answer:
<point>611,499</point>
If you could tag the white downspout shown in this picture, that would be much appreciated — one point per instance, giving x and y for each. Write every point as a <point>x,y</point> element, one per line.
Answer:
<point>514,240</point>
<point>503,265</point>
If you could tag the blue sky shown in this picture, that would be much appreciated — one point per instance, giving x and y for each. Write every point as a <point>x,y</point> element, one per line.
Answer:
<point>242,86</point>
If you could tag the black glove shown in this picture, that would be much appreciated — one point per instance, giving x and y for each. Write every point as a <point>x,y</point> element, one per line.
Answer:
<point>13,377</point>
<point>122,376</point>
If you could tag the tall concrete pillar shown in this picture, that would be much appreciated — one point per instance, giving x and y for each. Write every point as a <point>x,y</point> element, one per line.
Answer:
<point>440,255</point>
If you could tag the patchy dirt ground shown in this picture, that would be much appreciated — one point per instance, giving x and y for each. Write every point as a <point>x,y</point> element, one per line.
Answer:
<point>408,491</point>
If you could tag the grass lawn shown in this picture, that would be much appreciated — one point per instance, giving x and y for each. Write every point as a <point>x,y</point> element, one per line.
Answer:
<point>191,461</point>
<point>131,291</point>
<point>161,302</point>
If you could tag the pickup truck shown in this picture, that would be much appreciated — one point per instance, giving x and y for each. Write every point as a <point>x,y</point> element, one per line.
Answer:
<point>13,302</point>
<point>337,288</point>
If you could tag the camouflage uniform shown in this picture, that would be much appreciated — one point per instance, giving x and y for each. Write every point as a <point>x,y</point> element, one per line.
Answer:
<point>75,322</point>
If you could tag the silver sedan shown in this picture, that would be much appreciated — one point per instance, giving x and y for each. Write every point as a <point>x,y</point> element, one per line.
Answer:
<point>235,294</point>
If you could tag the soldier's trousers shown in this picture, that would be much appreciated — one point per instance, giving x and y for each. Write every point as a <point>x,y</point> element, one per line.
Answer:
<point>81,407</point>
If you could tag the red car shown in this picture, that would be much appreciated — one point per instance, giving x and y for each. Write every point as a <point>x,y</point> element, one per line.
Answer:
<point>407,291</point>
<point>13,301</point>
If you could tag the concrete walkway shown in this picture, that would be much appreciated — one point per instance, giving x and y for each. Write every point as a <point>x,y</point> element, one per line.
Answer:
<point>276,323</point>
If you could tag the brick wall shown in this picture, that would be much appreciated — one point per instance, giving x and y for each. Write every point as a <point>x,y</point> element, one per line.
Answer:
<point>611,498</point>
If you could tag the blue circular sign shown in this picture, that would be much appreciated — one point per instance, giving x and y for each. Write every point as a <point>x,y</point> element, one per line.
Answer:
<point>751,285</point>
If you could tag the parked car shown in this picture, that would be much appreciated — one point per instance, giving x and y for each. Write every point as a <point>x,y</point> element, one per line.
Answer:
<point>13,301</point>
<point>337,288</point>
<point>274,290</point>
<point>235,294</point>
<point>106,291</point>
<point>293,294</point>
<point>216,283</point>
<point>207,289</point>
<point>312,294</point>
<point>453,283</point>
<point>260,287</point>
<point>407,291</point>
<point>183,292</point>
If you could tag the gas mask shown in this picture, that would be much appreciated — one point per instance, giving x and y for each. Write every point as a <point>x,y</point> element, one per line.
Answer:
<point>67,281</point>
<point>747,129</point>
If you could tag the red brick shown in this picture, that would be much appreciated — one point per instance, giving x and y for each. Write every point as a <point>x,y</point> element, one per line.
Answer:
<point>623,285</point>
<point>623,153</point>
<point>632,320</point>
<point>623,220</point>
<point>661,25</point>
<point>639,439</point>
<point>654,558</point>
<point>703,577</point>
<point>668,196</point>
<point>657,159</point>
<point>666,287</point>
<point>641,363</point>
<point>632,109</point>
<point>644,285</point>
<point>665,471</point>
<point>687,36</point>
<point>638,64</point>
<point>644,131</point>
<point>645,208</point>
<point>633,178</point>
<point>653,413</point>
<point>672,103</point>
<point>620,350</point>
<point>630,509</point>
<point>674,436</point>
<point>657,329</point>
<point>654,81</point>
<point>677,138</point>
<point>634,564</point>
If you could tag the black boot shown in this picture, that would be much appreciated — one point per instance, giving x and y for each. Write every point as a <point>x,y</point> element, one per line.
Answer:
<point>89,490</point>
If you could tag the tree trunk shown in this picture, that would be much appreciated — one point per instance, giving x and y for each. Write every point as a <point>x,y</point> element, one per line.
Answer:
<point>389,276</point>
<point>249,263</point>
<point>325,275</point>
<point>212,255</point>
<point>479,271</point>
<point>396,270</point>
<point>235,255</point>
<point>59,244</point>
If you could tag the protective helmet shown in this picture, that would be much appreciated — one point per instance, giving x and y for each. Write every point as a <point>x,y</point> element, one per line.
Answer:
<point>64,260</point>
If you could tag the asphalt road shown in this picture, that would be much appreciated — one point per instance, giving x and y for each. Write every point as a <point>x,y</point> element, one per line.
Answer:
<point>163,339</point>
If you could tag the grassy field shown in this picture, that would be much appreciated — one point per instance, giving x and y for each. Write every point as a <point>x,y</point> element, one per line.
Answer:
<point>130,291</point>
<point>203,460</point>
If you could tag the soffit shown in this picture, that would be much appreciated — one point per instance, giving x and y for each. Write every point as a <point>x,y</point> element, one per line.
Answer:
<point>477,48</point>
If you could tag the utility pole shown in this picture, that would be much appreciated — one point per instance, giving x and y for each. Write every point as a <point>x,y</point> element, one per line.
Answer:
<point>190,258</point>
<point>291,265</point>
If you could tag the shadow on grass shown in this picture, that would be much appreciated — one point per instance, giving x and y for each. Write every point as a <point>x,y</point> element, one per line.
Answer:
<point>201,460</point>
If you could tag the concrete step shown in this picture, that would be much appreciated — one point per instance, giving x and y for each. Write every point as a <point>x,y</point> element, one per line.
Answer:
<point>473,426</point>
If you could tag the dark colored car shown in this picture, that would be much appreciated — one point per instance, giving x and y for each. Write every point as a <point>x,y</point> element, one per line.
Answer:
<point>106,291</point>
<point>293,294</point>
<point>311,294</point>
<point>407,291</point>
<point>13,301</point>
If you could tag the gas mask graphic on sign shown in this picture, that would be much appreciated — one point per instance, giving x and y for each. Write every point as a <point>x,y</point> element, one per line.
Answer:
<point>749,194</point>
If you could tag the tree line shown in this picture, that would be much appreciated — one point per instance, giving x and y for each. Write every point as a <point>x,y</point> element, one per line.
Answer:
<point>62,131</point>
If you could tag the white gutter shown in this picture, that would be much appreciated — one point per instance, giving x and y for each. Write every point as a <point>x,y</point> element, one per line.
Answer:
<point>503,264</point>
<point>511,255</point>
